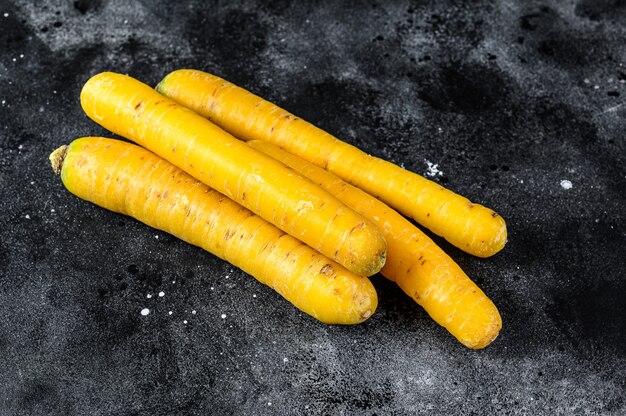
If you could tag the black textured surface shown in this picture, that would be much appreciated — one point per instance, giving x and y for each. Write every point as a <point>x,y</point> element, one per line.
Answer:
<point>509,99</point>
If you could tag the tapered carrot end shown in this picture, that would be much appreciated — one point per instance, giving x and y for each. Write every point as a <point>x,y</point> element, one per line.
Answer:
<point>372,253</point>
<point>484,335</point>
<point>57,157</point>
<point>487,237</point>
<point>500,235</point>
<point>482,343</point>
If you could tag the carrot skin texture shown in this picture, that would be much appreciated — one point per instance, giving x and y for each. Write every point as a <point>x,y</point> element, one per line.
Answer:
<point>130,180</point>
<point>134,110</point>
<point>421,269</point>
<point>471,227</point>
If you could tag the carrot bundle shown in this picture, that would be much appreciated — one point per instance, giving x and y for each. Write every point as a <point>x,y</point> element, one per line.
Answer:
<point>130,180</point>
<point>471,227</point>
<point>414,261</point>
<point>280,215</point>
<point>134,110</point>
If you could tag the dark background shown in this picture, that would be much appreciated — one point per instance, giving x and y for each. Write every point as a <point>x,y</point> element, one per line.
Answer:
<point>509,98</point>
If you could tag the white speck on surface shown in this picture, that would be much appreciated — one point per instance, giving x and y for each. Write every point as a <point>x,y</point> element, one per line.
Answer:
<point>149,295</point>
<point>439,129</point>
<point>161,294</point>
<point>521,181</point>
<point>285,360</point>
<point>51,209</point>
<point>156,236</point>
<point>170,312</point>
<point>269,403</point>
<point>6,15</point>
<point>223,316</point>
<point>27,216</point>
<point>586,81</point>
<point>20,147</point>
<point>193,312</point>
<point>565,184</point>
<point>173,281</point>
<point>41,109</point>
<point>145,311</point>
<point>185,322</point>
<point>212,288</point>
<point>32,182</point>
<point>596,87</point>
<point>14,59</point>
<point>21,55</point>
<point>433,169</point>
<point>4,102</point>
<point>254,295</point>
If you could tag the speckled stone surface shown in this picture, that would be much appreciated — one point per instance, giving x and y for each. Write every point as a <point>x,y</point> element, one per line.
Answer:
<point>508,98</point>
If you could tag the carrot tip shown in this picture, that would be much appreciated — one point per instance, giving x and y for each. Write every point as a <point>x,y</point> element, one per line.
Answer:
<point>490,336</point>
<point>57,157</point>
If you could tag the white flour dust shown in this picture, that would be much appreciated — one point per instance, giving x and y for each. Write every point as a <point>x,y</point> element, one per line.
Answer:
<point>433,169</point>
<point>565,184</point>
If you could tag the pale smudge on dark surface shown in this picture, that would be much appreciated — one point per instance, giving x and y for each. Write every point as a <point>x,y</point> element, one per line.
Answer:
<point>502,95</point>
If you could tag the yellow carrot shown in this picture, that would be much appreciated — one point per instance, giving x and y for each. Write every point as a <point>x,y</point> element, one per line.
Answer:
<point>471,227</point>
<point>414,261</point>
<point>130,180</point>
<point>266,187</point>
